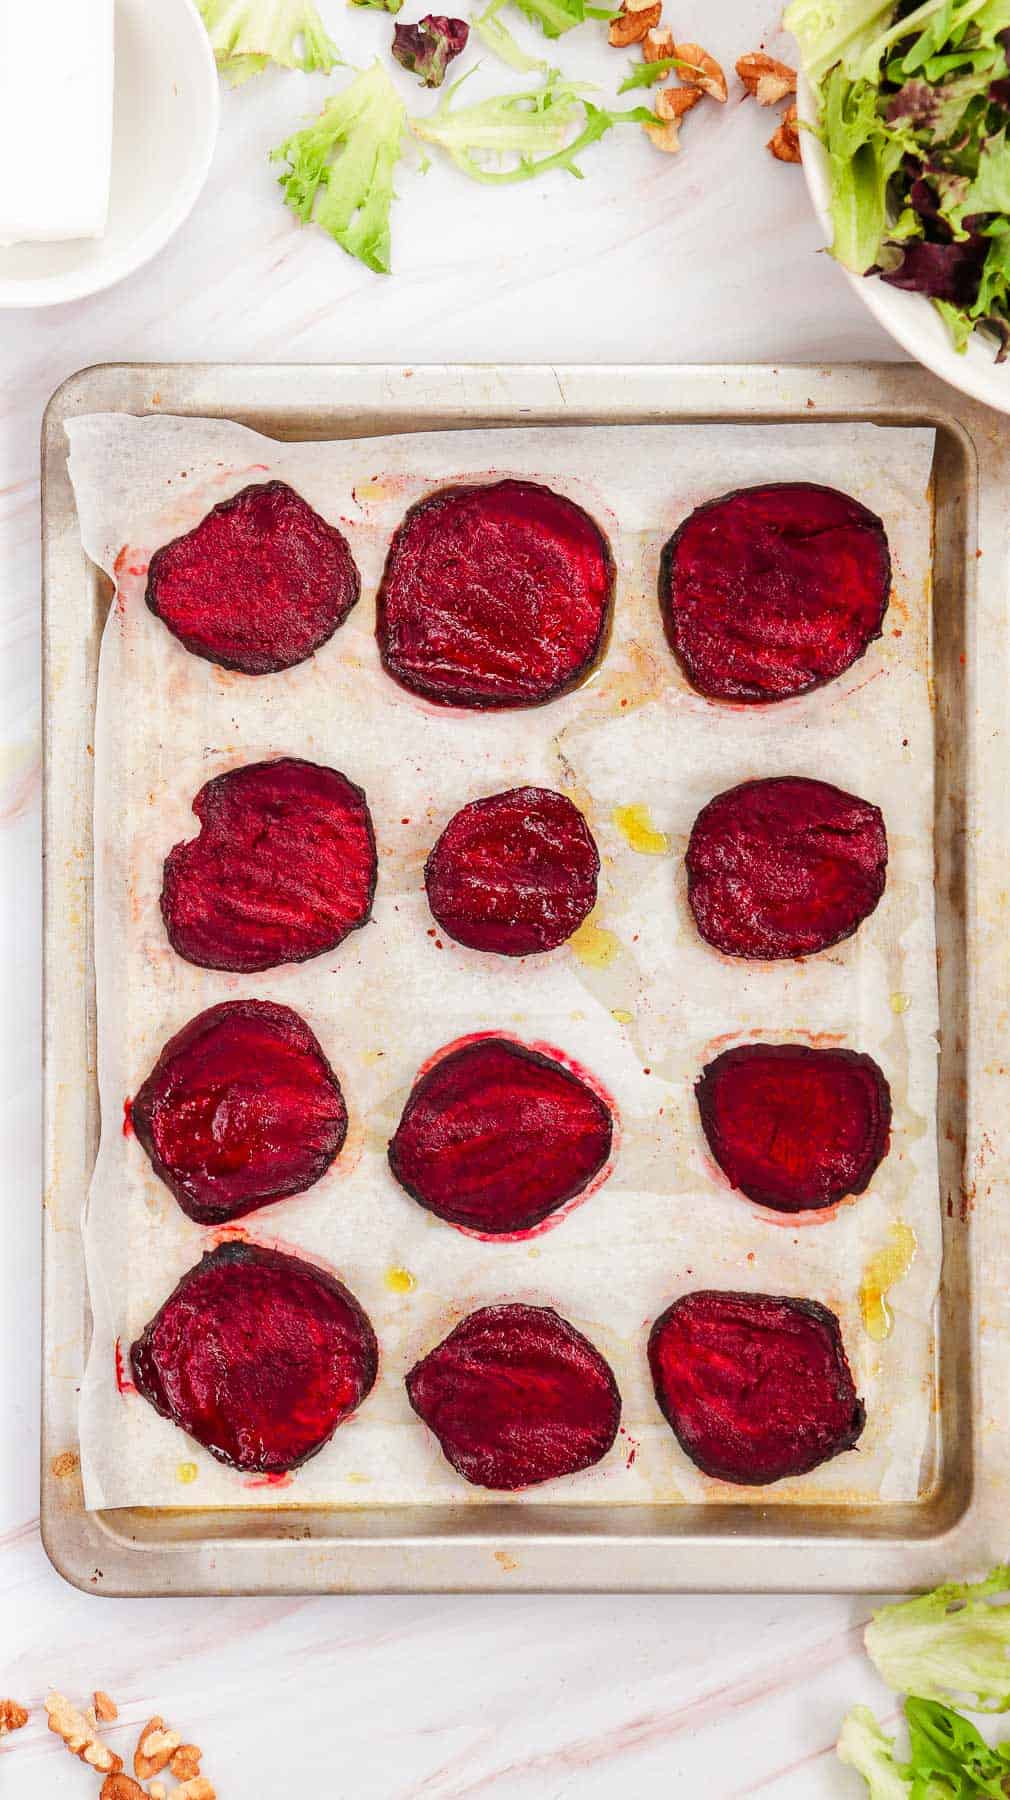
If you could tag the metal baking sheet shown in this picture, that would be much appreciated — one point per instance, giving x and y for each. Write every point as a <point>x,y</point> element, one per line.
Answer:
<point>729,1545</point>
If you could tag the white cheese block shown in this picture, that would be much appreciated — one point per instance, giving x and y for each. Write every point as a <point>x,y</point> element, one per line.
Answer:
<point>56,69</point>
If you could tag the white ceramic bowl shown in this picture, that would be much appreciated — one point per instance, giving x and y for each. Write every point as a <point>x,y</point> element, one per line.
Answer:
<point>910,319</point>
<point>164,128</point>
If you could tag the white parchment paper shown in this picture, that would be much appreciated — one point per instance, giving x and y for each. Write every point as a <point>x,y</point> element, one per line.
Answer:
<point>639,999</point>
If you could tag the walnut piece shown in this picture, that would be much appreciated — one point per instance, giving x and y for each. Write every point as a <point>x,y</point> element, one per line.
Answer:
<point>673,103</point>
<point>105,1709</point>
<point>121,1787</point>
<point>185,1764</point>
<point>785,145</point>
<point>158,1791</point>
<point>657,45</point>
<point>200,1789</point>
<point>703,71</point>
<point>80,1737</point>
<point>155,1749</point>
<point>12,1716</point>
<point>766,79</point>
<point>634,22</point>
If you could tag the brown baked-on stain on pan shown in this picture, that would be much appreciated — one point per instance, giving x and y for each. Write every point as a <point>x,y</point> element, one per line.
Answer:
<point>257,585</point>
<point>284,867</point>
<point>240,1109</point>
<point>756,1387</point>
<point>784,867</point>
<point>258,1355</point>
<point>495,595</point>
<point>771,591</point>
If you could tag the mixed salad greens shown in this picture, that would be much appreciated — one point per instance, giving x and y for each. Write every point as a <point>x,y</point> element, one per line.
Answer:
<point>914,112</point>
<point>949,1646</point>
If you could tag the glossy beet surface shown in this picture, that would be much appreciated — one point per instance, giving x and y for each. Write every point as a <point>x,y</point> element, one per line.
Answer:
<point>515,1395</point>
<point>284,867</point>
<point>792,1127</point>
<point>773,590</point>
<point>240,1108</point>
<point>515,873</point>
<point>784,867</point>
<point>756,1387</point>
<point>495,1137</point>
<point>258,585</point>
<point>494,596</point>
<point>258,1356</point>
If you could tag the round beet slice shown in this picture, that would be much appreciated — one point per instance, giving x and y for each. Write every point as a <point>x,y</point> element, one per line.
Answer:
<point>241,1108</point>
<point>755,1387</point>
<point>515,873</point>
<point>284,867</point>
<point>258,1356</point>
<point>792,1127</point>
<point>515,1395</point>
<point>494,596</point>
<point>258,585</point>
<point>784,867</point>
<point>495,1137</point>
<point>773,590</point>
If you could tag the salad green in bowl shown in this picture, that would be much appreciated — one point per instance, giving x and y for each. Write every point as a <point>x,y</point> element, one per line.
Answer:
<point>907,155</point>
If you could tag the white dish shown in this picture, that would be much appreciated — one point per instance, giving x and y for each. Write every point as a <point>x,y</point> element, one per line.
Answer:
<point>165,119</point>
<point>910,319</point>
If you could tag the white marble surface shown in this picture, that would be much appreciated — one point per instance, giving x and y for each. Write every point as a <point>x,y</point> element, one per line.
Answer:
<point>709,257</point>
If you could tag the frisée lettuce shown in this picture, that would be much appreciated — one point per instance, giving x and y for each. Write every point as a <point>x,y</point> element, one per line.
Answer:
<point>247,35</point>
<point>340,168</point>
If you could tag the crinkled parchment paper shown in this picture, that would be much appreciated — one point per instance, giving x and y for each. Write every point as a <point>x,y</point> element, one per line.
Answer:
<point>639,1000</point>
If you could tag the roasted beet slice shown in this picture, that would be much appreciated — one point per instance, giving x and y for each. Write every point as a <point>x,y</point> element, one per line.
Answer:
<point>495,1137</point>
<point>259,1356</point>
<point>773,590</point>
<point>515,873</point>
<point>240,1108</point>
<point>756,1387</point>
<point>515,1395</point>
<point>784,867</point>
<point>258,585</point>
<point>792,1127</point>
<point>284,867</point>
<point>495,596</point>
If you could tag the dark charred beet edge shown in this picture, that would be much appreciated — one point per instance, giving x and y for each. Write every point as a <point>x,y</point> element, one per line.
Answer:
<point>237,1254</point>
<point>189,850</point>
<point>203,1196</point>
<point>779,1194</point>
<point>811,1309</point>
<point>470,696</point>
<point>525,1211</point>
<point>501,1462</point>
<point>666,563</point>
<point>259,661</point>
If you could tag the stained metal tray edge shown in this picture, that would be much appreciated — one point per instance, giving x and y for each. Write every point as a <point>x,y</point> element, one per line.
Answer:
<point>505,1549</point>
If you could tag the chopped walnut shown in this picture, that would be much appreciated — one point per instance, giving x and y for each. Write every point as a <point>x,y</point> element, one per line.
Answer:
<point>200,1789</point>
<point>703,71</point>
<point>155,1749</point>
<point>121,1787</point>
<point>105,1709</point>
<point>158,1791</point>
<point>80,1737</point>
<point>186,1762</point>
<point>785,145</point>
<point>657,45</point>
<point>12,1716</point>
<point>673,103</point>
<point>766,79</point>
<point>634,22</point>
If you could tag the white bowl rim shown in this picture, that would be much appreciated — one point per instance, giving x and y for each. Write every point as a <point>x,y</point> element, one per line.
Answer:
<point>55,290</point>
<point>974,373</point>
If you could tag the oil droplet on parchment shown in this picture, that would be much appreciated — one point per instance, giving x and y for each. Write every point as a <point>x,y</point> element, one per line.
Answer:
<point>636,827</point>
<point>883,1270</point>
<point>594,945</point>
<point>900,1003</point>
<point>186,1473</point>
<point>621,1014</point>
<point>400,1281</point>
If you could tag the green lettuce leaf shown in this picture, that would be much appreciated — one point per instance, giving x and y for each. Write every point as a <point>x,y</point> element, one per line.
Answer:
<point>949,1757</point>
<point>340,168</point>
<point>534,127</point>
<point>862,1745</point>
<point>863,154</point>
<point>248,35</point>
<point>492,31</point>
<point>645,74</point>
<point>952,1644</point>
<point>832,31</point>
